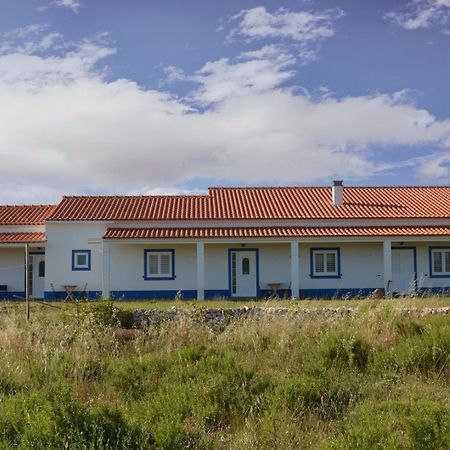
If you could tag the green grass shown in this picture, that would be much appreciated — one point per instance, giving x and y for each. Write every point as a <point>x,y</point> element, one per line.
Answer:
<point>377,379</point>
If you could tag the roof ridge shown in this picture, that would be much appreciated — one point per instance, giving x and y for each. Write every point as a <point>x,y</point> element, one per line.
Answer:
<point>329,186</point>
<point>29,205</point>
<point>138,196</point>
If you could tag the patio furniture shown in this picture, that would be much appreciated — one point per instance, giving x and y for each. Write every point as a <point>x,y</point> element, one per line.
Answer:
<point>69,288</point>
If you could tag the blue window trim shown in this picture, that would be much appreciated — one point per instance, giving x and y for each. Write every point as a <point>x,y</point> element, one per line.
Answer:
<point>81,269</point>
<point>324,249</point>
<point>159,250</point>
<point>414,258</point>
<point>430,260</point>
<point>230,250</point>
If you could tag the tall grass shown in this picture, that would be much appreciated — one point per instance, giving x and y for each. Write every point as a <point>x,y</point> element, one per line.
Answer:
<point>377,379</point>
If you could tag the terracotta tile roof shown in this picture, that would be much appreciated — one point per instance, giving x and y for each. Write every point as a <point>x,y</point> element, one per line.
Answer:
<point>271,232</point>
<point>264,204</point>
<point>25,214</point>
<point>21,238</point>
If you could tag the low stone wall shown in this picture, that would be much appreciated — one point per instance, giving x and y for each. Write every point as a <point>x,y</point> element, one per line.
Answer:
<point>219,317</point>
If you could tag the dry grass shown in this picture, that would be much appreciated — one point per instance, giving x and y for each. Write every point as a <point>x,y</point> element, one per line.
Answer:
<point>376,379</point>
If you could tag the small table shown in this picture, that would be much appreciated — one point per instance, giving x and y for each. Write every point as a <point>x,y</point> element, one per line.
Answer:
<point>69,288</point>
<point>274,288</point>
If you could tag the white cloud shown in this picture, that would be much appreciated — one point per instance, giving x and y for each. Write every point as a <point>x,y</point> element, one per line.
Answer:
<point>252,73</point>
<point>436,167</point>
<point>421,14</point>
<point>37,57</point>
<point>304,28</point>
<point>73,5</point>
<point>65,128</point>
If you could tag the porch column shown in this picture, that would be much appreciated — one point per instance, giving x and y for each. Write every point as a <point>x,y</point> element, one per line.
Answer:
<point>106,293</point>
<point>295,285</point>
<point>387,264</point>
<point>200,271</point>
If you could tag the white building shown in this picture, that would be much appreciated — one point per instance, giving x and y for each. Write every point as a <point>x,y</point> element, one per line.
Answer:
<point>233,242</point>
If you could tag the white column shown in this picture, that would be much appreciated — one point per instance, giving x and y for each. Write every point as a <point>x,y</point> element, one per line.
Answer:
<point>200,271</point>
<point>106,293</point>
<point>387,264</point>
<point>295,285</point>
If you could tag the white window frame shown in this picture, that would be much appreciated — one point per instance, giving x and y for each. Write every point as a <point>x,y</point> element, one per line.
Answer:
<point>159,275</point>
<point>325,274</point>
<point>445,269</point>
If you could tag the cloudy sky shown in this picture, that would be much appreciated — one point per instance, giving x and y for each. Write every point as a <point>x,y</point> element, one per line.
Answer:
<point>169,96</point>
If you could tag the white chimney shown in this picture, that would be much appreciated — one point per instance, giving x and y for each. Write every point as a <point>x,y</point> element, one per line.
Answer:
<point>338,192</point>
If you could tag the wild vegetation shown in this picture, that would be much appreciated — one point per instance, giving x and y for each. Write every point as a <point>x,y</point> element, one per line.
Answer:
<point>377,379</point>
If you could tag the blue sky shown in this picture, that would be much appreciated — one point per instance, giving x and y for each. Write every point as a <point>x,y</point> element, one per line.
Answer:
<point>108,96</point>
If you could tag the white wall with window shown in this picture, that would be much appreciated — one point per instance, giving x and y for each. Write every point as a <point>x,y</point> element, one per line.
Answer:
<point>139,267</point>
<point>361,266</point>
<point>440,261</point>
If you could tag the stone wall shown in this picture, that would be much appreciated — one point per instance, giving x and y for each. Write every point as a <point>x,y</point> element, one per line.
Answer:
<point>219,317</point>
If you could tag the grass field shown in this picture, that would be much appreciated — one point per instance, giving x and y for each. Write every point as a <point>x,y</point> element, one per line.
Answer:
<point>377,379</point>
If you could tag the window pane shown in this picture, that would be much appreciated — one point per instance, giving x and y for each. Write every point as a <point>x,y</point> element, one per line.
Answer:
<point>447,261</point>
<point>152,264</point>
<point>437,262</point>
<point>245,266</point>
<point>319,263</point>
<point>331,262</point>
<point>41,269</point>
<point>165,264</point>
<point>81,259</point>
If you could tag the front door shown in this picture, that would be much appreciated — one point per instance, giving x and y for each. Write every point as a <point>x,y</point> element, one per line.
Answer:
<point>37,278</point>
<point>244,273</point>
<point>403,271</point>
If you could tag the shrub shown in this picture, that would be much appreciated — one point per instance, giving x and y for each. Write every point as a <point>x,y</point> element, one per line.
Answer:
<point>424,352</point>
<point>52,418</point>
<point>408,327</point>
<point>420,424</point>
<point>327,394</point>
<point>137,376</point>
<point>347,351</point>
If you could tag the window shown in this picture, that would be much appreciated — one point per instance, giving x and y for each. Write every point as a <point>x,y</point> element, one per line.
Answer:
<point>325,263</point>
<point>159,264</point>
<point>245,266</point>
<point>41,269</point>
<point>440,262</point>
<point>81,260</point>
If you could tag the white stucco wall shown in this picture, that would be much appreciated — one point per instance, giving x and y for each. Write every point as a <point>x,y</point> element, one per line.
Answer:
<point>361,267</point>
<point>61,240</point>
<point>12,262</point>
<point>127,268</point>
<point>361,263</point>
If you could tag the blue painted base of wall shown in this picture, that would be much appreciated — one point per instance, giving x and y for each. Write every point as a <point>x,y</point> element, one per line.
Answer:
<point>335,293</point>
<point>282,293</point>
<point>141,295</point>
<point>12,295</point>
<point>61,295</point>
<point>216,293</point>
<point>435,290</point>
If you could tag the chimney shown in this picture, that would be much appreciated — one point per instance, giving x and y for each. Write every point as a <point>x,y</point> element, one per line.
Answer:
<point>338,192</point>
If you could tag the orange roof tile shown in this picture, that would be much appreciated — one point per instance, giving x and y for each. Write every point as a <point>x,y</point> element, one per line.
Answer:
<point>25,214</point>
<point>271,232</point>
<point>264,204</point>
<point>21,238</point>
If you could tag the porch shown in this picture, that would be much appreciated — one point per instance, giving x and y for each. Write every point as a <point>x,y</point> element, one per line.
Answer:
<point>156,263</point>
